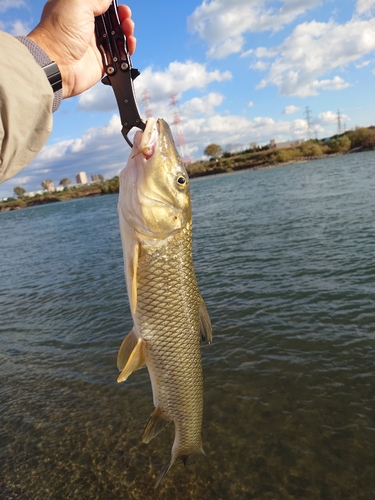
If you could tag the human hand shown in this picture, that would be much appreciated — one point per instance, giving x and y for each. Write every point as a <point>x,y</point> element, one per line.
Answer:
<point>66,32</point>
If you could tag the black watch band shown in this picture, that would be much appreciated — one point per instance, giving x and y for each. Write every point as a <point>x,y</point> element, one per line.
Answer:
<point>49,67</point>
<point>54,76</point>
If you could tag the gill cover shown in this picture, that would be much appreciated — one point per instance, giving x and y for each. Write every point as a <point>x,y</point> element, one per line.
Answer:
<point>154,187</point>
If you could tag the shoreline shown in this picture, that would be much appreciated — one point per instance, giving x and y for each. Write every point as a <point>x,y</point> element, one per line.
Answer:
<point>111,186</point>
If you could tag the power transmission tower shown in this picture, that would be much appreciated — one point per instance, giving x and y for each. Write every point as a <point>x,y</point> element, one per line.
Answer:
<point>308,121</point>
<point>180,138</point>
<point>146,103</point>
<point>339,126</point>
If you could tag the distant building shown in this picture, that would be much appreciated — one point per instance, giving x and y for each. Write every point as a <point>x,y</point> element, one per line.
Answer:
<point>48,185</point>
<point>287,144</point>
<point>95,177</point>
<point>31,194</point>
<point>81,178</point>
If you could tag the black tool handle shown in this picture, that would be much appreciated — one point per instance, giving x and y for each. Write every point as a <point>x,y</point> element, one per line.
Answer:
<point>118,67</point>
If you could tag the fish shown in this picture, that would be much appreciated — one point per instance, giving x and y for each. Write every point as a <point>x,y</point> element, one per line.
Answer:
<point>170,318</point>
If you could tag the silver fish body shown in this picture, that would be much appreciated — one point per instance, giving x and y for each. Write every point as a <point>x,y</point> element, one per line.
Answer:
<point>170,317</point>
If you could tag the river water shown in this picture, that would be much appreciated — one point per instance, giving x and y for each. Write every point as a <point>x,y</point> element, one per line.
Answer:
<point>285,259</point>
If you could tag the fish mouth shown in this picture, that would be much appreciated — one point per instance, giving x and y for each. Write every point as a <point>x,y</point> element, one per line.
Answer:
<point>147,140</point>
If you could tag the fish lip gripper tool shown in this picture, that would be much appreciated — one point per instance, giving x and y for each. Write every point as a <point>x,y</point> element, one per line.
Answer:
<point>118,67</point>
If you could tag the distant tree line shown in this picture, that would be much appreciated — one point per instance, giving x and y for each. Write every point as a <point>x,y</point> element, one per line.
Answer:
<point>360,137</point>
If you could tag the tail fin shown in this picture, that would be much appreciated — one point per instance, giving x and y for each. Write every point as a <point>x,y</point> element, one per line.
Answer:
<point>190,459</point>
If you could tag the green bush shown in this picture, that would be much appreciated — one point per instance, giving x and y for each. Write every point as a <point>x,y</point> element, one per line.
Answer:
<point>358,136</point>
<point>284,155</point>
<point>310,149</point>
<point>340,145</point>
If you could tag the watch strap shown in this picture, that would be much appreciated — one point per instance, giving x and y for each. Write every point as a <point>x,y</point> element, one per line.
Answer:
<point>54,76</point>
<point>44,61</point>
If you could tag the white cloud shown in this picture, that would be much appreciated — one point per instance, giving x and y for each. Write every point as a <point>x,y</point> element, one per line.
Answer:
<point>103,149</point>
<point>234,129</point>
<point>93,138</point>
<point>250,104</point>
<point>260,65</point>
<point>313,50</point>
<point>11,4</point>
<point>19,28</point>
<point>98,98</point>
<point>177,78</point>
<point>43,171</point>
<point>99,150</point>
<point>299,128</point>
<point>289,110</point>
<point>362,64</point>
<point>337,83</point>
<point>330,118</point>
<point>223,24</point>
<point>19,180</point>
<point>364,5</point>
<point>201,106</point>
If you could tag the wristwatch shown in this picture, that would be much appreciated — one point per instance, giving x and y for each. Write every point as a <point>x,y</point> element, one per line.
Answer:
<point>54,76</point>
<point>49,67</point>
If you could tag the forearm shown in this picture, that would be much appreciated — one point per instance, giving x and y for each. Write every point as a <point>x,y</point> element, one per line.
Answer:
<point>26,100</point>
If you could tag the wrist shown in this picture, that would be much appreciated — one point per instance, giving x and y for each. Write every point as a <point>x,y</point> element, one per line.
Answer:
<point>42,40</point>
<point>51,70</point>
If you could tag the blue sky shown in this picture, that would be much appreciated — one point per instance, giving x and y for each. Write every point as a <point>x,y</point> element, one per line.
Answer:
<point>244,71</point>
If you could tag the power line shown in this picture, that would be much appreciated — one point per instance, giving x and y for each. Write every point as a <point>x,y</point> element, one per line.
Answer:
<point>308,121</point>
<point>180,138</point>
<point>147,103</point>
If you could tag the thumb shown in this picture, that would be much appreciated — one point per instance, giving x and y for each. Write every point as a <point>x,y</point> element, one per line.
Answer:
<point>99,6</point>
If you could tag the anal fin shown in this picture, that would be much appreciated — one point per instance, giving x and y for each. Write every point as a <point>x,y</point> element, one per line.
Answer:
<point>155,424</point>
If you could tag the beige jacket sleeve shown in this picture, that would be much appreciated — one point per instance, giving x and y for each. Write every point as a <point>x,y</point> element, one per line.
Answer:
<point>26,99</point>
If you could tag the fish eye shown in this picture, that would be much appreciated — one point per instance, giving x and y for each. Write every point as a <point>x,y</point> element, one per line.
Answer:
<point>181,181</point>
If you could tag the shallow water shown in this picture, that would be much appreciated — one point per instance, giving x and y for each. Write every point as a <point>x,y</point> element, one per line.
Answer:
<point>285,259</point>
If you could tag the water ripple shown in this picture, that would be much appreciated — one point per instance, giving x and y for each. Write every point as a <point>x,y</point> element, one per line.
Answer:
<point>285,261</point>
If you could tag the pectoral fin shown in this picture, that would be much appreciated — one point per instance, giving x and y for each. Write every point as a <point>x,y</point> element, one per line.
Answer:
<point>134,277</point>
<point>130,356</point>
<point>205,323</point>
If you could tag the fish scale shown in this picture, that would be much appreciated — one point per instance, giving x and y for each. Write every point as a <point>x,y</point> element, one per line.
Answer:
<point>169,323</point>
<point>170,317</point>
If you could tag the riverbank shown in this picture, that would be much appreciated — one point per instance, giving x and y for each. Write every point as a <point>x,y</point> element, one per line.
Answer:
<point>246,160</point>
<point>97,189</point>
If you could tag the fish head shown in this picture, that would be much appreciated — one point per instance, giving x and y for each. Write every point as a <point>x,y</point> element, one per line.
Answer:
<point>154,186</point>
